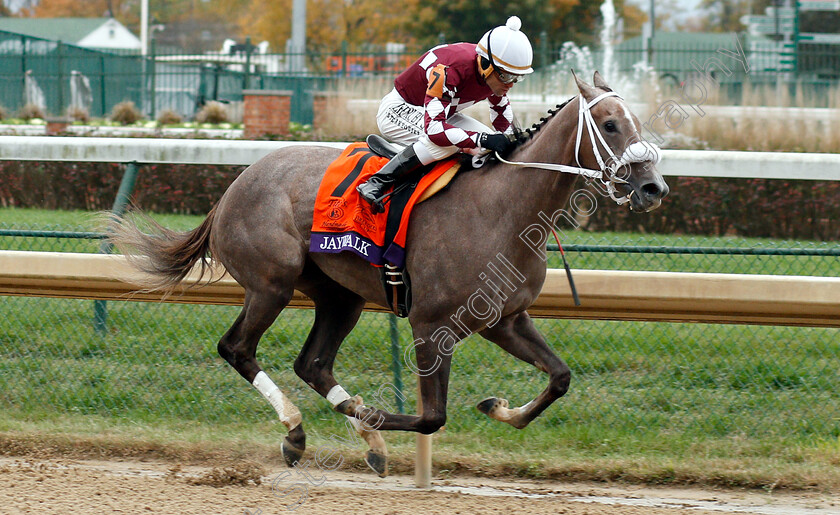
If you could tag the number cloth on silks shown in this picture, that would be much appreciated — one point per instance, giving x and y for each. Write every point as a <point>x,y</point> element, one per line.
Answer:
<point>344,222</point>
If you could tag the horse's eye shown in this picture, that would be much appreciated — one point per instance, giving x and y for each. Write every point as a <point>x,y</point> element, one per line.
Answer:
<point>610,126</point>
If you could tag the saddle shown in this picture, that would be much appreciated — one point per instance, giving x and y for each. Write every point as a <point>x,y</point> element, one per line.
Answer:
<point>384,148</point>
<point>342,221</point>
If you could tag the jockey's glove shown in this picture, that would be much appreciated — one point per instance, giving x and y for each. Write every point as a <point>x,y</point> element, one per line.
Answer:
<point>495,141</point>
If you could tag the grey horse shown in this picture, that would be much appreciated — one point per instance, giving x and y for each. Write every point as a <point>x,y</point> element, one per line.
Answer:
<point>472,270</point>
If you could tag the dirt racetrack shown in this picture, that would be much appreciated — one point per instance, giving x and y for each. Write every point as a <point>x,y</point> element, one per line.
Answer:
<point>62,486</point>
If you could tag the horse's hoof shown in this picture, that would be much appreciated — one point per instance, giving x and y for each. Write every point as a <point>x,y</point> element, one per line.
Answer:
<point>377,462</point>
<point>294,445</point>
<point>489,404</point>
<point>291,453</point>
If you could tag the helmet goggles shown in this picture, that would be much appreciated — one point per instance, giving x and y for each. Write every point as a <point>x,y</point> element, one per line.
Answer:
<point>508,78</point>
<point>504,77</point>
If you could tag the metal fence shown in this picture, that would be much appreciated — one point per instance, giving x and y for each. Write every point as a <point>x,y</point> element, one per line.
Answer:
<point>60,75</point>
<point>157,363</point>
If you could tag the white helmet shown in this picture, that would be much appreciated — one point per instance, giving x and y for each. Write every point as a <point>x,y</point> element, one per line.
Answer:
<point>510,48</point>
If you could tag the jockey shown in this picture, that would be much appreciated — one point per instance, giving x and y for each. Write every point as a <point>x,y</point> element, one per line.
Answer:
<point>422,111</point>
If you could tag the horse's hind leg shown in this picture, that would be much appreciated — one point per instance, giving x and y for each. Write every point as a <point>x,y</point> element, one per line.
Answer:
<point>517,335</point>
<point>337,311</point>
<point>239,347</point>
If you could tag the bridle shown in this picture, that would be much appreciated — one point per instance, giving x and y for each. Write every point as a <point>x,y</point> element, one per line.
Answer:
<point>637,152</point>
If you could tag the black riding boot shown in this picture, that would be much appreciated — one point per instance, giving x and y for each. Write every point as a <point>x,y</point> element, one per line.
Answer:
<point>394,171</point>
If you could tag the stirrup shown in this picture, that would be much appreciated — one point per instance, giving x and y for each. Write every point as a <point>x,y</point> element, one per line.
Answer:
<point>378,205</point>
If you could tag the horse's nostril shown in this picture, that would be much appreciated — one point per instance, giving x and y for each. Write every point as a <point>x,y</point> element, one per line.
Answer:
<point>652,190</point>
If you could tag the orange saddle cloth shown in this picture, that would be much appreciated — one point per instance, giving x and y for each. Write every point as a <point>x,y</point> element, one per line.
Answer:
<point>345,222</point>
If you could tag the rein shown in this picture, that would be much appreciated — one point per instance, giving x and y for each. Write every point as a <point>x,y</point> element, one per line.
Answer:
<point>637,152</point>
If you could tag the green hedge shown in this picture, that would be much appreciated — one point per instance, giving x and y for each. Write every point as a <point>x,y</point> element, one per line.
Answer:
<point>800,210</point>
<point>763,208</point>
<point>181,189</point>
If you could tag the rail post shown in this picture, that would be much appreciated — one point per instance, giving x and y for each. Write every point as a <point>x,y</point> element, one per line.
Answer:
<point>60,77</point>
<point>151,63</point>
<point>423,453</point>
<point>544,58</point>
<point>102,88</point>
<point>247,78</point>
<point>129,178</point>
<point>23,64</point>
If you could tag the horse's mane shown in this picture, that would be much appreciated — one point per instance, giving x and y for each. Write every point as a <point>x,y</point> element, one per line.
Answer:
<point>523,136</point>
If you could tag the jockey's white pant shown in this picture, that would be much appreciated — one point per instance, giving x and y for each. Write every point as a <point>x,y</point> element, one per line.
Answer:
<point>402,123</point>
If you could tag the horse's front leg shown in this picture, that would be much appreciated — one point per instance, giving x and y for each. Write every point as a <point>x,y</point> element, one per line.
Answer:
<point>517,335</point>
<point>432,367</point>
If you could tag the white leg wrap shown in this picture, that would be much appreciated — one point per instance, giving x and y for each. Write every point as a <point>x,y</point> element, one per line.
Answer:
<point>337,395</point>
<point>288,412</point>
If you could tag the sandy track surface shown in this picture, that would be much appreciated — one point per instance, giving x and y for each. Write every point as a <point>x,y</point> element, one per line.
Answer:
<point>59,486</point>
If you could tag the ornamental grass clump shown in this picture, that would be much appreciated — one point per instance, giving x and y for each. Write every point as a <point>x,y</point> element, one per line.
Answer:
<point>79,114</point>
<point>169,117</point>
<point>212,112</point>
<point>30,111</point>
<point>125,113</point>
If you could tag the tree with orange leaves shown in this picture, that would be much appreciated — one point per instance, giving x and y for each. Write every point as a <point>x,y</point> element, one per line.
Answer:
<point>76,9</point>
<point>328,22</point>
<point>364,23</point>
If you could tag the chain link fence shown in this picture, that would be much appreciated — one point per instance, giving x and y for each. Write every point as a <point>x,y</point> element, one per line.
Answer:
<point>157,363</point>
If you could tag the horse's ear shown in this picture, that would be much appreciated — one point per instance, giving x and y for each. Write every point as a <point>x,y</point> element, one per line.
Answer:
<point>585,89</point>
<point>599,82</point>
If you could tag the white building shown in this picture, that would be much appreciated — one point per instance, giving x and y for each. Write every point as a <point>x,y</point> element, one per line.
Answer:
<point>95,33</point>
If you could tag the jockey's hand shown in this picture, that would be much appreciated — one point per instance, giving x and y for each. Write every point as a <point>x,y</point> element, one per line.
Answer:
<point>495,141</point>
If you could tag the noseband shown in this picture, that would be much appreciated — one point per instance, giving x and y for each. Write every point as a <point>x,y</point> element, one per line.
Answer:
<point>638,152</point>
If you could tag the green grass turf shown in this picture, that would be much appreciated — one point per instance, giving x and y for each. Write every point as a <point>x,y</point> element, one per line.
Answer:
<point>653,402</point>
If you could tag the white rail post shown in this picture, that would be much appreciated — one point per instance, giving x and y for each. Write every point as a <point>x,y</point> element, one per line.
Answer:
<point>423,459</point>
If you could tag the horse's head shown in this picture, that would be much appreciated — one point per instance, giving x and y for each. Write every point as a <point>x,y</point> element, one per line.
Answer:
<point>609,139</point>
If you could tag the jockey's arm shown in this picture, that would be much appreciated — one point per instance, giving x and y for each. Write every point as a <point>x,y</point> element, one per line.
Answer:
<point>444,134</point>
<point>501,113</point>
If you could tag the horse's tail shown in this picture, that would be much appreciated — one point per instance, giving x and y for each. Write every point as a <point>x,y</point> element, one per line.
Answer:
<point>163,255</point>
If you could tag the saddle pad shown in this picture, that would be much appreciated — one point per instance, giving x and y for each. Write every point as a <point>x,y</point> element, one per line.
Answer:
<point>342,221</point>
